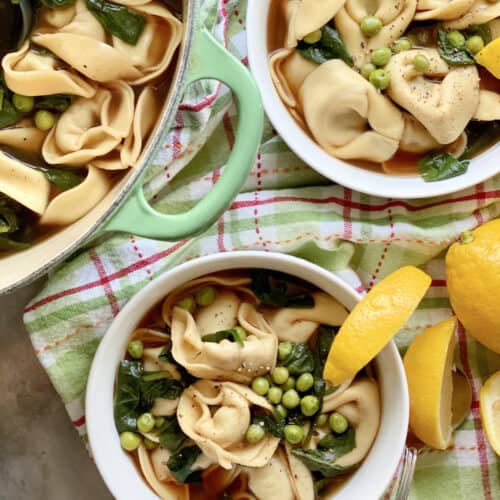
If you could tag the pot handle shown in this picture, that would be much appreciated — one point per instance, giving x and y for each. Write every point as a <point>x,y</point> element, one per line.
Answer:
<point>209,60</point>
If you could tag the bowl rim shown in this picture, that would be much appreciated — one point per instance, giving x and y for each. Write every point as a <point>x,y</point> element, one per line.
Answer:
<point>118,471</point>
<point>481,168</point>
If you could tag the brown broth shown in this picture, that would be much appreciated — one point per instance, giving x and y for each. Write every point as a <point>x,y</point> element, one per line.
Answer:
<point>276,25</point>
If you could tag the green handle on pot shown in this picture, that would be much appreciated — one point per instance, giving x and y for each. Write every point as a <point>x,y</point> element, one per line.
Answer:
<point>209,60</point>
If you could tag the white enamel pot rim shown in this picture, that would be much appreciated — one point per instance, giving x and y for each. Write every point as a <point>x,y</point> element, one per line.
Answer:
<point>481,167</point>
<point>116,468</point>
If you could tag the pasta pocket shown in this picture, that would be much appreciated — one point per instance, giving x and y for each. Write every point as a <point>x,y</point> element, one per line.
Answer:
<point>108,58</point>
<point>224,359</point>
<point>91,128</point>
<point>204,410</point>
<point>441,9</point>
<point>394,16</point>
<point>442,98</point>
<point>31,73</point>
<point>347,116</point>
<point>480,12</point>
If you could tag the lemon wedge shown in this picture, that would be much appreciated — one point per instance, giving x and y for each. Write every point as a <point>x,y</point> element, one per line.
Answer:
<point>374,321</point>
<point>489,406</point>
<point>461,399</point>
<point>428,364</point>
<point>489,57</point>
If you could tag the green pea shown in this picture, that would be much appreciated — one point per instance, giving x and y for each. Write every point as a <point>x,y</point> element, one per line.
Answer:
<point>421,63</point>
<point>313,37</point>
<point>309,405</point>
<point>44,120</point>
<point>367,68</point>
<point>23,103</point>
<point>381,57</point>
<point>205,296</point>
<point>187,303</point>
<point>280,375</point>
<point>338,423</point>
<point>401,44</point>
<point>130,441</point>
<point>239,334</point>
<point>280,411</point>
<point>474,44</point>
<point>294,434</point>
<point>290,399</point>
<point>254,433</point>
<point>274,395</point>
<point>150,445</point>
<point>456,39</point>
<point>370,26</point>
<point>146,422</point>
<point>305,382</point>
<point>260,386</point>
<point>159,421</point>
<point>284,350</point>
<point>321,420</point>
<point>380,79</point>
<point>135,349</point>
<point>289,384</point>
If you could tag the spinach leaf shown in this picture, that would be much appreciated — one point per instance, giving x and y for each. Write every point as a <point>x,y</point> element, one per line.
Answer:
<point>9,115</point>
<point>324,340</point>
<point>118,20</point>
<point>8,220</point>
<point>452,55</point>
<point>275,427</point>
<point>300,360</point>
<point>55,102</point>
<point>128,395</point>
<point>152,387</point>
<point>180,465</point>
<point>7,243</point>
<point>166,353</point>
<point>63,179</point>
<point>274,289</point>
<point>233,334</point>
<point>57,4</point>
<point>441,165</point>
<point>340,443</point>
<point>482,30</point>
<point>330,46</point>
<point>322,461</point>
<point>479,136</point>
<point>170,434</point>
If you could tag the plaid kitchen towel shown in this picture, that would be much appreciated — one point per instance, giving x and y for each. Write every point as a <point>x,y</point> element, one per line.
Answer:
<point>284,207</point>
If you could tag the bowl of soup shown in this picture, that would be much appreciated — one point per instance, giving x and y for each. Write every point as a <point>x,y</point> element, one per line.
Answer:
<point>209,383</point>
<point>386,99</point>
<point>89,94</point>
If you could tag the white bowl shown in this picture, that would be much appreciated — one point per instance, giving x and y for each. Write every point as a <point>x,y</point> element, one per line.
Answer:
<point>481,167</point>
<point>117,469</point>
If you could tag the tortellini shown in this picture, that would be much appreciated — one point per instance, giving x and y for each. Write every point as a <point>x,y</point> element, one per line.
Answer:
<point>204,410</point>
<point>91,128</point>
<point>360,404</point>
<point>306,16</point>
<point>480,12</point>
<point>442,98</point>
<point>284,477</point>
<point>395,16</point>
<point>30,73</point>
<point>106,61</point>
<point>224,360</point>
<point>297,324</point>
<point>441,9</point>
<point>347,116</point>
<point>488,108</point>
<point>23,136</point>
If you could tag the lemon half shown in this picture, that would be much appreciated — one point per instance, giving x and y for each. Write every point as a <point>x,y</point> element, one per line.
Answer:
<point>489,406</point>
<point>428,364</point>
<point>374,321</point>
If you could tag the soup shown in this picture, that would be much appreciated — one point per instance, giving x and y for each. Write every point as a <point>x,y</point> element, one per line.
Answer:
<point>221,395</point>
<point>79,99</point>
<point>390,86</point>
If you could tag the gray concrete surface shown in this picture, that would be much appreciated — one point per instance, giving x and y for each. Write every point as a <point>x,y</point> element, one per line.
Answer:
<point>41,456</point>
